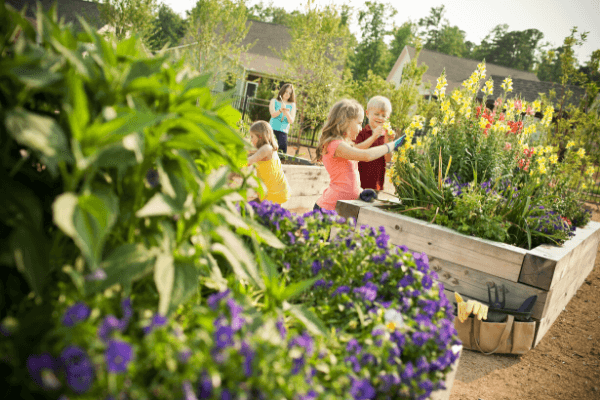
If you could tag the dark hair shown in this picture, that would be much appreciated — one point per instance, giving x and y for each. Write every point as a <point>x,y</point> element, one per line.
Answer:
<point>292,98</point>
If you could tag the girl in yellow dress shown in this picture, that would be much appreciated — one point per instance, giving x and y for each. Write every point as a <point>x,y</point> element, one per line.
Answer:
<point>268,164</point>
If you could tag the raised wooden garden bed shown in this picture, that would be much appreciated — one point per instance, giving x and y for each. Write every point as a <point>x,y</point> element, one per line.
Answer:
<point>307,183</point>
<point>470,265</point>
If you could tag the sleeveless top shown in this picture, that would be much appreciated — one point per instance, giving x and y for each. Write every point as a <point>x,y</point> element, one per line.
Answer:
<point>344,182</point>
<point>280,123</point>
<point>271,173</point>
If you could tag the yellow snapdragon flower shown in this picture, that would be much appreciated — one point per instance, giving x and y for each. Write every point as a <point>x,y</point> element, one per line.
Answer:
<point>548,113</point>
<point>457,96</point>
<point>542,168</point>
<point>433,121</point>
<point>553,158</point>
<point>589,171</point>
<point>488,89</point>
<point>434,131</point>
<point>483,122</point>
<point>581,152</point>
<point>537,106</point>
<point>507,85</point>
<point>570,144</point>
<point>440,88</point>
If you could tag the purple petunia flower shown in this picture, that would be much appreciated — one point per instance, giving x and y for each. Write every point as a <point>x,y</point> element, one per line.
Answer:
<point>427,282</point>
<point>79,370</point>
<point>118,355</point>
<point>226,395</point>
<point>320,283</point>
<point>362,390</point>
<point>341,289</point>
<point>214,299</point>
<point>157,321</point>
<point>310,395</point>
<point>223,337</point>
<point>39,366</point>
<point>367,292</point>
<point>384,277</point>
<point>205,387</point>
<point>281,327</point>
<point>109,324</point>
<point>353,361</point>
<point>368,276</point>
<point>408,373</point>
<point>127,310</point>
<point>248,354</point>
<point>237,320</point>
<point>297,364</point>
<point>305,341</point>
<point>76,313</point>
<point>353,346</point>
<point>316,267</point>
<point>407,280</point>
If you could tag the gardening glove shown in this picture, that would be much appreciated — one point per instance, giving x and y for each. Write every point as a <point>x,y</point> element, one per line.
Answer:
<point>398,142</point>
<point>368,195</point>
<point>470,307</point>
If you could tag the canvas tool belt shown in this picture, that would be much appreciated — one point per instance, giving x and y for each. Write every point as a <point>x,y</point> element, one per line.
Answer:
<point>508,337</point>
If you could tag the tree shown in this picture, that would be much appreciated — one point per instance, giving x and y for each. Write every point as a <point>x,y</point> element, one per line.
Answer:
<point>402,36</point>
<point>215,31</point>
<point>168,28</point>
<point>315,62</point>
<point>514,49</point>
<point>270,13</point>
<point>440,36</point>
<point>372,52</point>
<point>129,16</point>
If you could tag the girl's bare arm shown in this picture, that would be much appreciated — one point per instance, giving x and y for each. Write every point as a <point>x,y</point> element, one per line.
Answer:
<point>344,150</point>
<point>261,155</point>
<point>274,113</point>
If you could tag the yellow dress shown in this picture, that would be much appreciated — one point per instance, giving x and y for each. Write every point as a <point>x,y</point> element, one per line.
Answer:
<point>271,173</point>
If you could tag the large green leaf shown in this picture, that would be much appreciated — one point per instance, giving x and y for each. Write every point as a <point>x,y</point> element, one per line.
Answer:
<point>124,265</point>
<point>30,250</point>
<point>185,284</point>
<point>310,320</point>
<point>41,134</point>
<point>87,219</point>
<point>164,278</point>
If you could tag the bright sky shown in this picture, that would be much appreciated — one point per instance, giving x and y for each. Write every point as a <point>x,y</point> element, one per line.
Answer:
<point>554,18</point>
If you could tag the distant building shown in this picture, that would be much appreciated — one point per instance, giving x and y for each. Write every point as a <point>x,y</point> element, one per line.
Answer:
<point>67,10</point>
<point>525,84</point>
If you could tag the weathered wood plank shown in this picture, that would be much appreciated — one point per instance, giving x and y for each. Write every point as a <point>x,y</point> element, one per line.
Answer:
<point>493,258</point>
<point>544,265</point>
<point>349,208</point>
<point>474,284</point>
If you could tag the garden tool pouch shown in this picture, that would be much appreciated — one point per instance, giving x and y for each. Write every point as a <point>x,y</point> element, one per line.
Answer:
<point>508,337</point>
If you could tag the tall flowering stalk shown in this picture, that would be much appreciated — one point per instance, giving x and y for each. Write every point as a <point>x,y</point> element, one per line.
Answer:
<point>467,143</point>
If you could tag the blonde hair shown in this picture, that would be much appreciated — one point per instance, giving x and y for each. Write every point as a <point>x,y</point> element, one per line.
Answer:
<point>264,133</point>
<point>340,116</point>
<point>292,98</point>
<point>380,103</point>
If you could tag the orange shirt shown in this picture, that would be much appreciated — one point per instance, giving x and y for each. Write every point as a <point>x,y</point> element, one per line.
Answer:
<point>344,182</point>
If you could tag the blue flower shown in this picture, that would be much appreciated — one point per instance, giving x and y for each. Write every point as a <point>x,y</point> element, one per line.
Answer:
<point>367,292</point>
<point>305,341</point>
<point>316,267</point>
<point>118,355</point>
<point>341,289</point>
<point>320,283</point>
<point>367,276</point>
<point>310,395</point>
<point>109,324</point>
<point>353,361</point>
<point>291,237</point>
<point>384,277</point>
<point>237,321</point>
<point>214,299</point>
<point>362,390</point>
<point>248,354</point>
<point>408,373</point>
<point>297,364</point>
<point>368,358</point>
<point>281,327</point>
<point>76,313</point>
<point>41,369</point>
<point>407,280</point>
<point>157,321</point>
<point>427,282</point>
<point>205,387</point>
<point>79,370</point>
<point>224,337</point>
<point>353,346</point>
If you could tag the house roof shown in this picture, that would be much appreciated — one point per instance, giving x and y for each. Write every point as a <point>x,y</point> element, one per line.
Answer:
<point>269,40</point>
<point>530,90</point>
<point>457,69</point>
<point>68,10</point>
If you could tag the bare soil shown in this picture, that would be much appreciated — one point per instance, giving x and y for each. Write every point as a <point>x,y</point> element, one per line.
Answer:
<point>564,365</point>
